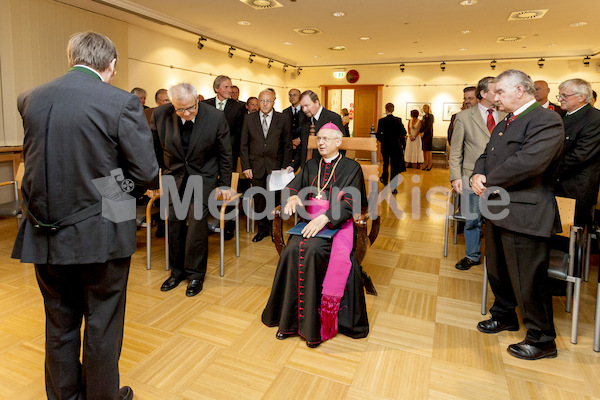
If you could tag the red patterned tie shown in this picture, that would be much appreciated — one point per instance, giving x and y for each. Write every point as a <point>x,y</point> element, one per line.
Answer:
<point>490,120</point>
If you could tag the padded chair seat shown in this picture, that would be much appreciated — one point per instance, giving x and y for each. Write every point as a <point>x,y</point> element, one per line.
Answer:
<point>10,209</point>
<point>559,265</point>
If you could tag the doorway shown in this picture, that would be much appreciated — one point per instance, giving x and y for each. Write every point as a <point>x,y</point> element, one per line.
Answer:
<point>362,101</point>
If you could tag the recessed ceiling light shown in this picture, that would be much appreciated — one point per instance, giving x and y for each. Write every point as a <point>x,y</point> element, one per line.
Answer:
<point>577,24</point>
<point>509,39</point>
<point>551,44</point>
<point>463,49</point>
<point>339,14</point>
<point>338,48</point>
<point>380,53</point>
<point>316,56</point>
<point>244,23</point>
<point>468,2</point>
<point>288,43</point>
<point>365,38</point>
<point>527,15</point>
<point>465,32</point>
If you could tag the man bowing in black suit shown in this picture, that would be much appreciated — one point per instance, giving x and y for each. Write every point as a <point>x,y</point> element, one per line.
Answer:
<point>519,166</point>
<point>266,146</point>
<point>392,136</point>
<point>317,117</point>
<point>80,250</point>
<point>195,141</point>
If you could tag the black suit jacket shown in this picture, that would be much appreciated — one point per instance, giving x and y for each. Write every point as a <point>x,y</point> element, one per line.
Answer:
<point>209,151</point>
<point>234,114</point>
<point>325,117</point>
<point>296,123</point>
<point>579,174</point>
<point>392,134</point>
<point>261,154</point>
<point>523,159</point>
<point>78,128</point>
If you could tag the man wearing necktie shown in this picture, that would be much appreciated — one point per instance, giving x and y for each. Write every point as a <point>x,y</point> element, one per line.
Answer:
<point>296,117</point>
<point>266,145</point>
<point>195,142</point>
<point>472,128</point>
<point>317,116</point>
<point>234,115</point>
<point>519,167</point>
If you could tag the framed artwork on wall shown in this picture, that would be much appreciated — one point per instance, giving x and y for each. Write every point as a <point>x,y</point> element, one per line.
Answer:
<point>449,109</point>
<point>416,106</point>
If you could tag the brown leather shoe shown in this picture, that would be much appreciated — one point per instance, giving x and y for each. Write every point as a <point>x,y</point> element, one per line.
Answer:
<point>526,351</point>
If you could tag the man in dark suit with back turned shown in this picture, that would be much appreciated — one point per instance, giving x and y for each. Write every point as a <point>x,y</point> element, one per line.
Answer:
<point>195,141</point>
<point>81,258</point>
<point>392,136</point>
<point>266,146</point>
<point>317,116</point>
<point>521,159</point>
<point>579,174</point>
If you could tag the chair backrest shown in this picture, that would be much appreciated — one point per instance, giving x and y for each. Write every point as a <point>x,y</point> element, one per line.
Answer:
<point>19,174</point>
<point>235,178</point>
<point>438,144</point>
<point>566,210</point>
<point>348,143</point>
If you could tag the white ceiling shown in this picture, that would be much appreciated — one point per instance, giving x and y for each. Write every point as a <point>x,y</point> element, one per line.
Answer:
<point>403,30</point>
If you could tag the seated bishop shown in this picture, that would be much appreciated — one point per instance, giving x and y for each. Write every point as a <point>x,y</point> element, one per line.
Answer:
<point>318,289</point>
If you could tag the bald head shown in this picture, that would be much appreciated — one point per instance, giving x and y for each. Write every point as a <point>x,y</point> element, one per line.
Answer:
<point>541,91</point>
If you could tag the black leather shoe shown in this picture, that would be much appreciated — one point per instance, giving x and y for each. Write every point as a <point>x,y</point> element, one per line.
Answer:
<point>259,236</point>
<point>313,345</point>
<point>466,263</point>
<point>384,181</point>
<point>194,287</point>
<point>394,191</point>
<point>228,235</point>
<point>494,326</point>
<point>170,283</point>
<point>280,335</point>
<point>526,351</point>
<point>125,393</point>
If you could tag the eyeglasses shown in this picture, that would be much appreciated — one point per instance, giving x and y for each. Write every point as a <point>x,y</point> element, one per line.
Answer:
<point>564,96</point>
<point>266,101</point>
<point>189,109</point>
<point>324,139</point>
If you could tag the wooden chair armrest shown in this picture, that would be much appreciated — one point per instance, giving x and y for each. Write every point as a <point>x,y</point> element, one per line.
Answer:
<point>7,183</point>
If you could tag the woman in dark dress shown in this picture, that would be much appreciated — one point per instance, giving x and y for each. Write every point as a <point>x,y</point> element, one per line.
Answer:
<point>427,137</point>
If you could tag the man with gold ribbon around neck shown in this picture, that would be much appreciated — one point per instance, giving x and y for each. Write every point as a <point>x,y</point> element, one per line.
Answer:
<point>317,289</point>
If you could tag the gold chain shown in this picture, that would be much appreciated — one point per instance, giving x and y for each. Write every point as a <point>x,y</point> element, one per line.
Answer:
<point>319,188</point>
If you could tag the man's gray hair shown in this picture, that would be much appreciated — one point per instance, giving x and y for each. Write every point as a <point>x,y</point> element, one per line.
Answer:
<point>218,80</point>
<point>138,90</point>
<point>182,91</point>
<point>579,86</point>
<point>91,49</point>
<point>518,78</point>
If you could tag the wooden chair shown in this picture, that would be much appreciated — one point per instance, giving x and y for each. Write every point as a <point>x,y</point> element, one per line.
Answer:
<point>364,238</point>
<point>563,266</point>
<point>12,209</point>
<point>215,225</point>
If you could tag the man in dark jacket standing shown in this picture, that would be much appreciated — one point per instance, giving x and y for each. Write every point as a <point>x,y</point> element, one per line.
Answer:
<point>517,170</point>
<point>392,136</point>
<point>80,250</point>
<point>579,174</point>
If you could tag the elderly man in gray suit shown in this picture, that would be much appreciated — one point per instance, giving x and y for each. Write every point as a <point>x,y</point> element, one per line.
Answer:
<point>472,128</point>
<point>81,254</point>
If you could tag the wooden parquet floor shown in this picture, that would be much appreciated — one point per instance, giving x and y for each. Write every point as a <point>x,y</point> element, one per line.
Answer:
<point>423,342</point>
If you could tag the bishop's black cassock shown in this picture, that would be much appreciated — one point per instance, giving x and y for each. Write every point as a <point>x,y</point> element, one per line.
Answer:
<point>295,299</point>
